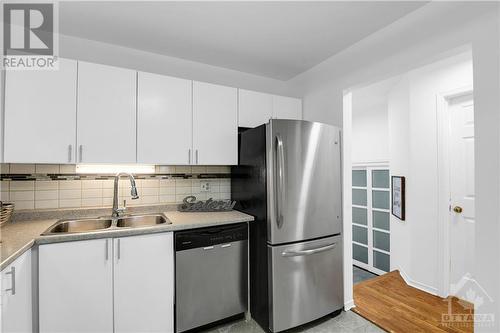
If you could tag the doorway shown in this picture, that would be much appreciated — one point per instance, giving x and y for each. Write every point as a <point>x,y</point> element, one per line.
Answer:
<point>430,142</point>
<point>371,218</point>
<point>456,114</point>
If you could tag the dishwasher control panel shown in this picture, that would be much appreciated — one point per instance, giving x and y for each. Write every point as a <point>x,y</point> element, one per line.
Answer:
<point>203,237</point>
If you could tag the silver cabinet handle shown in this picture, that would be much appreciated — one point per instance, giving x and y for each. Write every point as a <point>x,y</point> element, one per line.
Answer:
<point>107,249</point>
<point>196,156</point>
<point>290,253</point>
<point>12,274</point>
<point>80,150</point>
<point>225,245</point>
<point>118,249</point>
<point>70,153</point>
<point>208,248</point>
<point>189,156</point>
<point>280,165</point>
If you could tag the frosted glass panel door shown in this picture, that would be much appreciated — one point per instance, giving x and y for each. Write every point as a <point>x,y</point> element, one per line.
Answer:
<point>370,218</point>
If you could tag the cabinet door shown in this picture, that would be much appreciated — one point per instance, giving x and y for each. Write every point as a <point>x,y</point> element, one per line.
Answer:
<point>40,115</point>
<point>164,119</point>
<point>144,283</point>
<point>17,296</point>
<point>106,114</point>
<point>254,108</point>
<point>287,107</point>
<point>215,125</point>
<point>76,286</point>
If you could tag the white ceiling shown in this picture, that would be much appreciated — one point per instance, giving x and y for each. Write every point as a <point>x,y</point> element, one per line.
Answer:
<point>272,39</point>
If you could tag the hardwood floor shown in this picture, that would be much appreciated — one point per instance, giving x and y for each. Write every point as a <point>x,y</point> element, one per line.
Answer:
<point>391,304</point>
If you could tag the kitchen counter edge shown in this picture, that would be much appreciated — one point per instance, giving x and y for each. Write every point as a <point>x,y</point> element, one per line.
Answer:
<point>180,221</point>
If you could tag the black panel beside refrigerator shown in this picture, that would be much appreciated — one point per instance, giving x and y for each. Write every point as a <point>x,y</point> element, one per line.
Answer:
<point>248,188</point>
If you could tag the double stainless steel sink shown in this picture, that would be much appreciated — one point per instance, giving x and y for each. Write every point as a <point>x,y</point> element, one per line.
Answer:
<point>105,224</point>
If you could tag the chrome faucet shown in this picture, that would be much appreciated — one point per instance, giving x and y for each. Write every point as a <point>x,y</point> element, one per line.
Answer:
<point>133,192</point>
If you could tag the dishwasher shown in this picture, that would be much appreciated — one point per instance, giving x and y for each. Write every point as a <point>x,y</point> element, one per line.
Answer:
<point>211,275</point>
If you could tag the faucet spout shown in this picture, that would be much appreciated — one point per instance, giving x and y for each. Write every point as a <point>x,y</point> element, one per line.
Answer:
<point>133,192</point>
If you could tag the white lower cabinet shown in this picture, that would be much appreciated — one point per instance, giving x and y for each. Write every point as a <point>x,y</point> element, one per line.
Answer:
<point>76,286</point>
<point>144,283</point>
<point>107,285</point>
<point>17,296</point>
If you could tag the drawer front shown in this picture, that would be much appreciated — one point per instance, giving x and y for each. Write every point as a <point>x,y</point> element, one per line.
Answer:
<point>305,282</point>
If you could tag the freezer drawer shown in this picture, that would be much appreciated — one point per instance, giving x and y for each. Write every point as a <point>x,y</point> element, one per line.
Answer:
<point>305,282</point>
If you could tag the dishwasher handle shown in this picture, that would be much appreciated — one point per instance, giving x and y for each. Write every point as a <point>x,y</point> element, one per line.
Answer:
<point>211,237</point>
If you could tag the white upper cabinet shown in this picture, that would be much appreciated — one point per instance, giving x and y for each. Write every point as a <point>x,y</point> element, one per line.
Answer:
<point>106,130</point>
<point>215,124</point>
<point>254,108</point>
<point>164,119</point>
<point>92,113</point>
<point>287,107</point>
<point>144,283</point>
<point>17,296</point>
<point>40,115</point>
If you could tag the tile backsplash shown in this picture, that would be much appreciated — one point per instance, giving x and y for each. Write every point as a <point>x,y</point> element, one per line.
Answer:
<point>44,186</point>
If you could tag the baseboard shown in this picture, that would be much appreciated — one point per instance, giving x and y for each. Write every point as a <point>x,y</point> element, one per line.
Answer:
<point>349,305</point>
<point>415,284</point>
<point>404,275</point>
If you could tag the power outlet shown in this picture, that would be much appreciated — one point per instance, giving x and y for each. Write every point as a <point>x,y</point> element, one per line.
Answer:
<point>205,187</point>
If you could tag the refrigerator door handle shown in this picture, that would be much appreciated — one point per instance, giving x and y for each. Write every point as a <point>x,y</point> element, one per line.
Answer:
<point>280,164</point>
<point>290,253</point>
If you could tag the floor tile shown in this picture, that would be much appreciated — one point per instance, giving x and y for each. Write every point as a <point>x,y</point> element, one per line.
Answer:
<point>345,322</point>
<point>360,275</point>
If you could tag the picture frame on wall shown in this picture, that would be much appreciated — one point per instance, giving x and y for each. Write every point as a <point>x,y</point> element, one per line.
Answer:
<point>398,197</point>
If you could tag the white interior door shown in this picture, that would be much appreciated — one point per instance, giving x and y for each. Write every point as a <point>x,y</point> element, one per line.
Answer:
<point>371,246</point>
<point>462,211</point>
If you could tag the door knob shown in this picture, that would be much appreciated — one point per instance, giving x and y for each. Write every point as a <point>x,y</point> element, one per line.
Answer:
<point>457,209</point>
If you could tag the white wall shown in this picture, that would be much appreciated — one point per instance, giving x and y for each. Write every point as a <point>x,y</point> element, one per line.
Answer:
<point>419,240</point>
<point>398,106</point>
<point>433,32</point>
<point>402,128</point>
<point>430,33</point>
<point>114,55</point>
<point>370,132</point>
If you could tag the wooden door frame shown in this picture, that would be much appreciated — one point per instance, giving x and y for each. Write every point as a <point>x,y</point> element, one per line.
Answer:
<point>443,141</point>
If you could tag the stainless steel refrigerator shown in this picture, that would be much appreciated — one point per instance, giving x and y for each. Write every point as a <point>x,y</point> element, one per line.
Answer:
<point>289,179</point>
